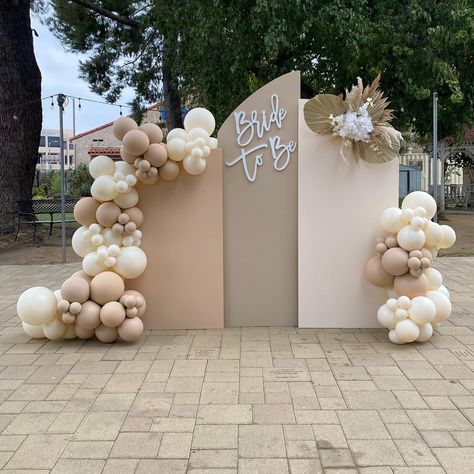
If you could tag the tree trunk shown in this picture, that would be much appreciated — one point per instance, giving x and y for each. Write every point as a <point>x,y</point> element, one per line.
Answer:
<point>171,94</point>
<point>20,106</point>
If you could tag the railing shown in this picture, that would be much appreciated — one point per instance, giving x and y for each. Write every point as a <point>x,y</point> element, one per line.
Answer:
<point>459,196</point>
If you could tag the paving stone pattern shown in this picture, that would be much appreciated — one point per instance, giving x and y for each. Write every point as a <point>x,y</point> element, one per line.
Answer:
<point>239,400</point>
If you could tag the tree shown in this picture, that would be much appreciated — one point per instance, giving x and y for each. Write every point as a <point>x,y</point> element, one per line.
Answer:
<point>20,106</point>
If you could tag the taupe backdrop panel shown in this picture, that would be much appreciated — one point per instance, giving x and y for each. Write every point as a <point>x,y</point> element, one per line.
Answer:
<point>339,220</point>
<point>260,217</point>
<point>182,238</point>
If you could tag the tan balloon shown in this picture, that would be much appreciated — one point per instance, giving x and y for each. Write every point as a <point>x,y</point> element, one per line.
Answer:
<point>75,289</point>
<point>82,274</point>
<point>169,171</point>
<point>131,329</point>
<point>106,287</point>
<point>107,214</point>
<point>141,303</point>
<point>136,142</point>
<point>123,125</point>
<point>126,156</point>
<point>136,215</point>
<point>395,261</point>
<point>155,134</point>
<point>89,317</point>
<point>426,253</point>
<point>408,285</point>
<point>112,314</point>
<point>75,308</point>
<point>82,333</point>
<point>156,154</point>
<point>105,334</point>
<point>85,209</point>
<point>149,180</point>
<point>377,275</point>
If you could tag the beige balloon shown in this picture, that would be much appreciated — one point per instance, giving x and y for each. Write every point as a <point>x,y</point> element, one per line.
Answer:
<point>136,142</point>
<point>123,125</point>
<point>112,314</point>
<point>126,156</point>
<point>106,287</point>
<point>89,317</point>
<point>395,261</point>
<point>75,289</point>
<point>105,334</point>
<point>131,329</point>
<point>85,209</point>
<point>154,132</point>
<point>408,285</point>
<point>377,275</point>
<point>169,171</point>
<point>107,214</point>
<point>136,215</point>
<point>141,302</point>
<point>156,154</point>
<point>82,333</point>
<point>82,274</point>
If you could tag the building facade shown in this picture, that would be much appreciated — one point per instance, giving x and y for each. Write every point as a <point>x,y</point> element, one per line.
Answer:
<point>49,150</point>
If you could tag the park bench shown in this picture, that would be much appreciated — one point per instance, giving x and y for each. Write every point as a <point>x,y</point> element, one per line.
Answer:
<point>29,210</point>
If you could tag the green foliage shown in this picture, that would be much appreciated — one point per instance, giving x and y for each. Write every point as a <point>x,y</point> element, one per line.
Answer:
<point>225,50</point>
<point>39,193</point>
<point>79,181</point>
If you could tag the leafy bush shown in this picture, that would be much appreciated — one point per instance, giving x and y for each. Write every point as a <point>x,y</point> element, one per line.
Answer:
<point>79,181</point>
<point>39,193</point>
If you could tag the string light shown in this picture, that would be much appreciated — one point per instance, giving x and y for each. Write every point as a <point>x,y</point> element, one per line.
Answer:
<point>51,106</point>
<point>120,110</point>
<point>79,107</point>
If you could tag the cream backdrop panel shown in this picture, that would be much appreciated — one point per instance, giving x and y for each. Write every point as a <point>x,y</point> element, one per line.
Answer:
<point>339,208</point>
<point>182,237</point>
<point>260,206</point>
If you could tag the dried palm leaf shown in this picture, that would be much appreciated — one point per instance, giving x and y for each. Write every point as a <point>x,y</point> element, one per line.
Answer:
<point>319,109</point>
<point>354,97</point>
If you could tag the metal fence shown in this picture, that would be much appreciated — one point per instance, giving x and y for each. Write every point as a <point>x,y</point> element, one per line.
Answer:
<point>459,196</point>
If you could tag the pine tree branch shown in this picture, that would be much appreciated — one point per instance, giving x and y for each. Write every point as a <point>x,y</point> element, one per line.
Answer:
<point>108,14</point>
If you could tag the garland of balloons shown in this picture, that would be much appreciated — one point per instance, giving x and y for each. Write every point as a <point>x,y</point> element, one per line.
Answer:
<point>93,301</point>
<point>418,300</point>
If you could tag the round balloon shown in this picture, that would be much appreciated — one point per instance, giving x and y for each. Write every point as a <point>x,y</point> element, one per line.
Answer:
<point>81,242</point>
<point>104,188</point>
<point>75,289</point>
<point>82,333</point>
<point>155,134</point>
<point>200,118</point>
<point>136,142</point>
<point>391,220</point>
<point>112,314</point>
<point>85,209</point>
<point>411,286</point>
<point>410,238</point>
<point>169,171</point>
<point>55,329</point>
<point>105,334</point>
<point>422,310</point>
<point>106,287</point>
<point>420,199</point>
<point>126,156</point>
<point>34,331</point>
<point>448,238</point>
<point>37,305</point>
<point>131,262</point>
<point>395,261</point>
<point>88,318</point>
<point>426,331</point>
<point>407,330</point>
<point>386,317</point>
<point>435,279</point>
<point>156,154</point>
<point>443,306</point>
<point>101,166</point>
<point>128,199</point>
<point>131,329</point>
<point>92,264</point>
<point>123,125</point>
<point>377,275</point>
<point>193,165</point>
<point>107,214</point>
<point>433,234</point>
<point>176,149</point>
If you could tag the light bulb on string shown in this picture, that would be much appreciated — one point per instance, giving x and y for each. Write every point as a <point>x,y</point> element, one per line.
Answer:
<point>52,103</point>
<point>79,106</point>
<point>120,110</point>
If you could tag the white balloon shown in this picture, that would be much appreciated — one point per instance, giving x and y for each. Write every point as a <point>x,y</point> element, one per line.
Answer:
<point>110,237</point>
<point>34,331</point>
<point>392,304</point>
<point>420,199</point>
<point>410,239</point>
<point>422,310</point>
<point>70,331</point>
<point>200,117</point>
<point>404,302</point>
<point>213,143</point>
<point>433,234</point>
<point>81,244</point>
<point>124,168</point>
<point>435,279</point>
<point>407,330</point>
<point>386,317</point>
<point>198,133</point>
<point>104,188</point>
<point>58,295</point>
<point>442,289</point>
<point>193,165</point>
<point>36,305</point>
<point>443,306</point>
<point>100,166</point>
<point>401,314</point>
<point>55,329</point>
<point>426,331</point>
<point>391,220</point>
<point>176,133</point>
<point>92,264</point>
<point>176,149</point>
<point>131,262</point>
<point>449,237</point>
<point>393,337</point>
<point>407,215</point>
<point>128,199</point>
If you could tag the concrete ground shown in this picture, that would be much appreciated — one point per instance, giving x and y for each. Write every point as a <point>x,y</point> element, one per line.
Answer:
<point>247,400</point>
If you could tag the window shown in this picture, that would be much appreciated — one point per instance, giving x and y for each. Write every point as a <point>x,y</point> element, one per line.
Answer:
<point>42,141</point>
<point>53,142</point>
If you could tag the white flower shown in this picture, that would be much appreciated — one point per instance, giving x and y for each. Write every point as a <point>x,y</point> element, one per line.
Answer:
<point>354,125</point>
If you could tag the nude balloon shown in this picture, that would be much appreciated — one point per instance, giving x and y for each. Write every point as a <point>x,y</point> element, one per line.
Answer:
<point>89,318</point>
<point>75,289</point>
<point>106,287</point>
<point>123,125</point>
<point>169,171</point>
<point>82,333</point>
<point>136,142</point>
<point>395,261</point>
<point>112,314</point>
<point>85,209</point>
<point>107,214</point>
<point>135,215</point>
<point>408,285</point>
<point>131,329</point>
<point>156,154</point>
<point>106,334</point>
<point>154,132</point>
<point>377,275</point>
<point>36,305</point>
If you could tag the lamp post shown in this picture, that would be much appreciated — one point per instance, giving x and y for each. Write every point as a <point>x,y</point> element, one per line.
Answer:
<point>61,100</point>
<point>435,152</point>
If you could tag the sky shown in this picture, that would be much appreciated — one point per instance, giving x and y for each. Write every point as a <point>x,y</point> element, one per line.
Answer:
<point>60,73</point>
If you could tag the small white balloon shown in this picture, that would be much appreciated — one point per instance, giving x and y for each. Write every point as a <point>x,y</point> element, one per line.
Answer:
<point>100,166</point>
<point>422,310</point>
<point>407,330</point>
<point>442,289</point>
<point>435,279</point>
<point>392,304</point>
<point>213,143</point>
<point>200,117</point>
<point>34,331</point>
<point>124,169</point>
<point>92,264</point>
<point>386,317</point>
<point>420,211</point>
<point>418,222</point>
<point>198,135</point>
<point>37,305</point>
<point>113,250</point>
<point>81,242</point>
<point>401,314</point>
<point>442,304</point>
<point>110,237</point>
<point>393,337</point>
<point>97,239</point>
<point>448,238</point>
<point>433,234</point>
<point>407,215</point>
<point>391,220</point>
<point>193,165</point>
<point>426,331</point>
<point>420,199</point>
<point>55,329</point>
<point>404,302</point>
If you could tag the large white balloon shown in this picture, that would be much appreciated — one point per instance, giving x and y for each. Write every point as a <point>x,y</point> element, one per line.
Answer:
<point>407,330</point>
<point>92,264</point>
<point>100,166</point>
<point>199,132</point>
<point>393,337</point>
<point>422,310</point>
<point>34,331</point>
<point>194,165</point>
<point>410,239</point>
<point>442,289</point>
<point>176,133</point>
<point>81,242</point>
<point>104,188</point>
<point>128,199</point>
<point>37,305</point>
<point>426,331</point>
<point>435,279</point>
<point>420,199</point>
<point>124,168</point>
<point>55,329</point>
<point>449,237</point>
<point>443,306</point>
<point>433,234</point>
<point>176,149</point>
<point>200,117</point>
<point>391,220</point>
<point>131,262</point>
<point>386,317</point>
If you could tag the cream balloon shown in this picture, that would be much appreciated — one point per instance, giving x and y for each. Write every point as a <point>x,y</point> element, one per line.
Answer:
<point>391,220</point>
<point>194,165</point>
<point>213,143</point>
<point>81,242</point>
<point>111,238</point>
<point>443,306</point>
<point>128,199</point>
<point>410,239</point>
<point>131,262</point>
<point>407,330</point>
<point>37,305</point>
<point>426,331</point>
<point>386,317</point>
<point>422,310</point>
<point>55,329</point>
<point>70,332</point>
<point>393,337</point>
<point>200,117</point>
<point>124,168</point>
<point>92,264</point>
<point>101,166</point>
<point>435,279</point>
<point>433,234</point>
<point>176,133</point>
<point>449,237</point>
<point>420,199</point>
<point>176,149</point>
<point>104,188</point>
<point>442,289</point>
<point>196,133</point>
<point>34,331</point>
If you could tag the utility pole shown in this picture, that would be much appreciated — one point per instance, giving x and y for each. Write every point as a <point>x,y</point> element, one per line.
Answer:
<point>435,152</point>
<point>61,100</point>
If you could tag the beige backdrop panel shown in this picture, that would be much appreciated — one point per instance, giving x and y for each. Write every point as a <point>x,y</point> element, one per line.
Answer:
<point>339,213</point>
<point>182,238</point>
<point>260,218</point>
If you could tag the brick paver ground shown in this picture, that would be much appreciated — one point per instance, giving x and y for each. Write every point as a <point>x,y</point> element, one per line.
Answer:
<point>247,400</point>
